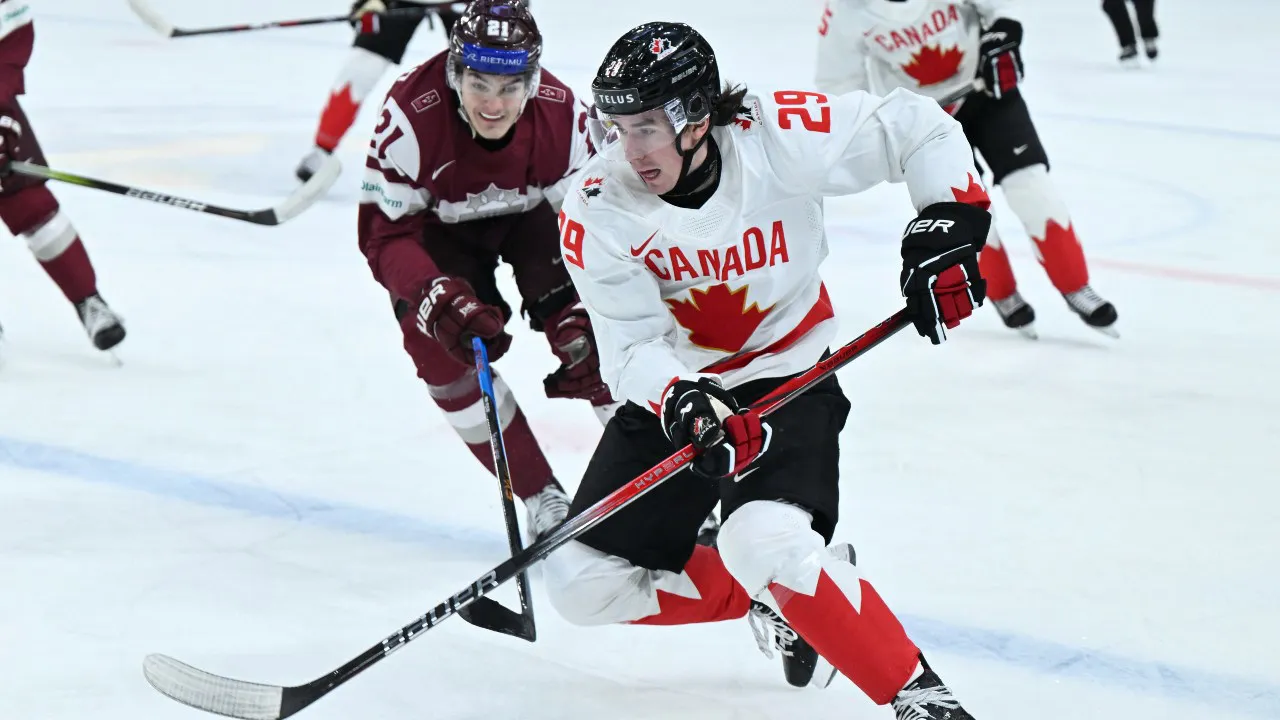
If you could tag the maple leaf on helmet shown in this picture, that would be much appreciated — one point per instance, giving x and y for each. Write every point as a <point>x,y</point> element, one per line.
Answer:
<point>718,318</point>
<point>930,66</point>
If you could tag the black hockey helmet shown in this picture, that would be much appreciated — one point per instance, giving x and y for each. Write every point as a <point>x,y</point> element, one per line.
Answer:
<point>498,37</point>
<point>655,64</point>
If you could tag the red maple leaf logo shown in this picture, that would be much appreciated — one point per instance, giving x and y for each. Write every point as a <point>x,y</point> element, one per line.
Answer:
<point>975,194</point>
<point>930,66</point>
<point>718,318</point>
<point>742,122</point>
<point>593,181</point>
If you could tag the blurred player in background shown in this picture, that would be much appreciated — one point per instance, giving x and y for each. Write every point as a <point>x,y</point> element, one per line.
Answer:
<point>1118,12</point>
<point>380,43</point>
<point>469,162</point>
<point>26,205</point>
<point>934,48</point>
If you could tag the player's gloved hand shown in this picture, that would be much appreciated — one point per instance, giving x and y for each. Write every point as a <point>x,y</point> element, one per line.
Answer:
<point>365,15</point>
<point>10,136</point>
<point>450,313</point>
<point>569,332</point>
<point>999,59</point>
<point>940,277</point>
<point>705,414</point>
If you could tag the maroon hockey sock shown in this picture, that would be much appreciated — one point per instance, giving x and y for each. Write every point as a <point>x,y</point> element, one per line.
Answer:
<point>1062,257</point>
<point>848,624</point>
<point>530,471</point>
<point>72,272</point>
<point>993,262</point>
<point>338,116</point>
<point>713,595</point>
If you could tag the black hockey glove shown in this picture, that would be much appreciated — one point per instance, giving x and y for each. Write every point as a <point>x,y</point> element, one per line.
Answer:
<point>999,59</point>
<point>366,15</point>
<point>705,414</point>
<point>940,277</point>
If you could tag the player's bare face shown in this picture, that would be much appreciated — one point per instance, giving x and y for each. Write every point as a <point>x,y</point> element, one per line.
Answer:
<point>492,102</point>
<point>649,143</point>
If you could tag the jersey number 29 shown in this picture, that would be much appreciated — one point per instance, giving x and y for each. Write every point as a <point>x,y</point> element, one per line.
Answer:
<point>821,122</point>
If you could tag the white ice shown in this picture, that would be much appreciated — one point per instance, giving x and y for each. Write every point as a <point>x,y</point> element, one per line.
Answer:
<point>1077,527</point>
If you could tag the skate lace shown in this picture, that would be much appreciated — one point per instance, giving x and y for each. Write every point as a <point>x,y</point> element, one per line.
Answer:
<point>915,703</point>
<point>547,509</point>
<point>1007,306</point>
<point>95,315</point>
<point>770,629</point>
<point>1085,300</point>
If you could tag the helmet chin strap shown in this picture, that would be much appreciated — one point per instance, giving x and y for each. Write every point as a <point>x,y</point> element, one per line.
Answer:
<point>687,165</point>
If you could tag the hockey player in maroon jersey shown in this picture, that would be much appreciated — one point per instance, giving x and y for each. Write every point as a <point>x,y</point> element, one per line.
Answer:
<point>934,48</point>
<point>695,238</point>
<point>26,205</point>
<point>469,162</point>
<point>380,43</point>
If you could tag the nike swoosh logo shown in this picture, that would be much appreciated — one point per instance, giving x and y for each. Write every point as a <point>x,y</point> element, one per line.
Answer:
<point>744,473</point>
<point>440,169</point>
<point>637,251</point>
<point>1020,149</point>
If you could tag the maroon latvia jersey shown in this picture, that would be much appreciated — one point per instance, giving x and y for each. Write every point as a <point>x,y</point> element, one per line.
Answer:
<point>425,169</point>
<point>17,37</point>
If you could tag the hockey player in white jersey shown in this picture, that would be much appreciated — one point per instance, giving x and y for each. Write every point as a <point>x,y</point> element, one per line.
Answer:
<point>695,239</point>
<point>936,48</point>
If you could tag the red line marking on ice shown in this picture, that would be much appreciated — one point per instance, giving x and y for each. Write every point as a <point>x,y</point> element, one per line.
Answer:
<point>1257,282</point>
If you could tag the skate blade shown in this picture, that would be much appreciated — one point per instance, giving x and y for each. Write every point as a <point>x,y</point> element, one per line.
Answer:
<point>1028,331</point>
<point>1109,331</point>
<point>823,673</point>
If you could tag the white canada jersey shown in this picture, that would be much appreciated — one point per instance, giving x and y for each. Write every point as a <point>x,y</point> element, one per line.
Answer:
<point>732,288</point>
<point>929,47</point>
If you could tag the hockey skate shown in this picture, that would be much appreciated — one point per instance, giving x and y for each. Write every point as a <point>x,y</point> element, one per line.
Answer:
<point>801,664</point>
<point>1150,48</point>
<point>312,163</point>
<point>104,327</point>
<point>1129,56</point>
<point>1096,312</point>
<point>927,698</point>
<point>1017,315</point>
<point>547,509</point>
<point>709,530</point>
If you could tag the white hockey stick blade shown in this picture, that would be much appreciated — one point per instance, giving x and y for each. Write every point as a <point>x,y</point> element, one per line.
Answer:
<point>212,693</point>
<point>151,17</point>
<point>311,190</point>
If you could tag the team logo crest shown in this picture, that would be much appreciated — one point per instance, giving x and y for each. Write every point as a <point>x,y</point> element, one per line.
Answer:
<point>591,187</point>
<point>661,47</point>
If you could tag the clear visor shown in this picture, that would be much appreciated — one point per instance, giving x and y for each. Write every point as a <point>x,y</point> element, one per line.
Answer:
<point>634,136</point>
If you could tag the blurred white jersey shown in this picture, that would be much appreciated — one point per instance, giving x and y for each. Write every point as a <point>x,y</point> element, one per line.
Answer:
<point>732,288</point>
<point>929,47</point>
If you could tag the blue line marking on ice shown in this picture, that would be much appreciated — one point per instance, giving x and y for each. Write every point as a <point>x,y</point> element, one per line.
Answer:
<point>1235,695</point>
<point>249,499</point>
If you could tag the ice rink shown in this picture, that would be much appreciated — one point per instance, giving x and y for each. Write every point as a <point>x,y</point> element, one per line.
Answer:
<point>1077,527</point>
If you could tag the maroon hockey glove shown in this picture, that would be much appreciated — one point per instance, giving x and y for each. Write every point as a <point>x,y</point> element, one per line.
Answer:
<point>569,332</point>
<point>705,414</point>
<point>999,57</point>
<point>450,313</point>
<point>940,277</point>
<point>10,137</point>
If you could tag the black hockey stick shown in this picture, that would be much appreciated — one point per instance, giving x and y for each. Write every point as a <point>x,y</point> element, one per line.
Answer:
<point>162,26</point>
<point>957,95</point>
<point>300,200</point>
<point>255,701</point>
<point>486,612</point>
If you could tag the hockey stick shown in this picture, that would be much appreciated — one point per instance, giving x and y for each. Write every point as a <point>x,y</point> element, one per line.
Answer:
<point>162,26</point>
<point>957,95</point>
<point>255,701</point>
<point>300,200</point>
<point>487,613</point>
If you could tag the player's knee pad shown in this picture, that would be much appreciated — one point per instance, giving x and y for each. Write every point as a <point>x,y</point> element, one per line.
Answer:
<point>27,209</point>
<point>463,403</point>
<point>590,587</point>
<point>767,541</point>
<point>1034,198</point>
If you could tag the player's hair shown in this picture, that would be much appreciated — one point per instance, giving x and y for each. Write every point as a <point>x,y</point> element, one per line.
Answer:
<point>728,105</point>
